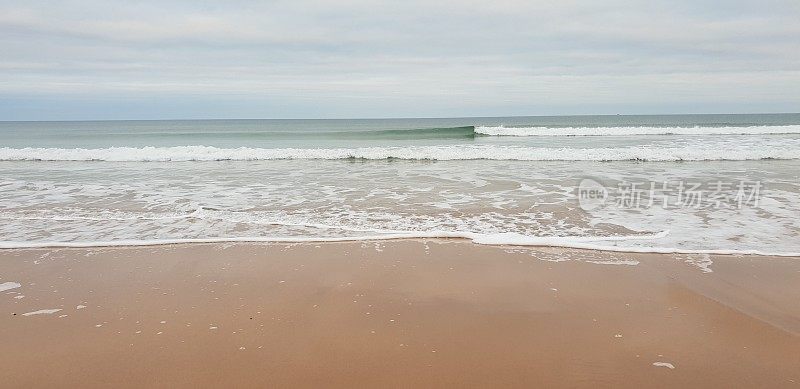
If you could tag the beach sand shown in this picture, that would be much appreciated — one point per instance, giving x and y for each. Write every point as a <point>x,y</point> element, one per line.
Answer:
<point>436,313</point>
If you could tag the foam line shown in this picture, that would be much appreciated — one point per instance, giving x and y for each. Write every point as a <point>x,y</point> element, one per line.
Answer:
<point>502,239</point>
<point>782,150</point>
<point>9,285</point>
<point>627,131</point>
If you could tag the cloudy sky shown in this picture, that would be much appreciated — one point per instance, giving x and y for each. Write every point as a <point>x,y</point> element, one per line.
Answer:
<point>408,58</point>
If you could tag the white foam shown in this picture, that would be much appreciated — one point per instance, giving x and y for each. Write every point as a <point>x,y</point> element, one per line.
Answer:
<point>601,243</point>
<point>9,285</point>
<point>641,130</point>
<point>42,312</point>
<point>615,262</point>
<point>784,149</point>
<point>664,364</point>
<point>701,261</point>
<point>92,203</point>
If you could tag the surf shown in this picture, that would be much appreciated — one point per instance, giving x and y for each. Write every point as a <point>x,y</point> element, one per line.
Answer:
<point>633,131</point>
<point>783,150</point>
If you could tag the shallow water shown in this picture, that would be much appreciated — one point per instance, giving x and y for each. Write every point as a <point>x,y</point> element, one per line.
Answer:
<point>84,182</point>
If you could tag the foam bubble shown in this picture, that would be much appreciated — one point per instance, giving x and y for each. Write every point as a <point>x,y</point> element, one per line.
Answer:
<point>664,364</point>
<point>8,286</point>
<point>42,312</point>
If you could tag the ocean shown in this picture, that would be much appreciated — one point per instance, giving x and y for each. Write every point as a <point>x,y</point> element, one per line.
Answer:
<point>693,184</point>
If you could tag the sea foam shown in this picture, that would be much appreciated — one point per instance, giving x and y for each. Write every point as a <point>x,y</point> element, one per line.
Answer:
<point>785,150</point>
<point>8,286</point>
<point>600,243</point>
<point>628,131</point>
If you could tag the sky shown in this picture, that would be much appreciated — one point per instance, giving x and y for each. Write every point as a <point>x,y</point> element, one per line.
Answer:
<point>168,59</point>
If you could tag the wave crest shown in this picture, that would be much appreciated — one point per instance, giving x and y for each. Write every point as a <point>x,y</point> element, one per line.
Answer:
<point>627,131</point>
<point>441,153</point>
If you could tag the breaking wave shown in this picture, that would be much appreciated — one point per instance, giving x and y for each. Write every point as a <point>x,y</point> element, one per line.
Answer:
<point>776,150</point>
<point>627,131</point>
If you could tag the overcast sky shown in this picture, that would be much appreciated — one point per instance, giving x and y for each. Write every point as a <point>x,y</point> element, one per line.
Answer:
<point>408,58</point>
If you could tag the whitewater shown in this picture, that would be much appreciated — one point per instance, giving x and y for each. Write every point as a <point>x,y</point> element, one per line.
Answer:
<point>499,181</point>
<point>640,130</point>
<point>778,149</point>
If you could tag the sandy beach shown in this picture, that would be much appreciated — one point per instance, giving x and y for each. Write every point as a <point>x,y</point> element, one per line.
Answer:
<point>434,313</point>
<point>399,194</point>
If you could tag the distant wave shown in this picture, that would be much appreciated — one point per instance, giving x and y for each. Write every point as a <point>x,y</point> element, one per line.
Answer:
<point>780,150</point>
<point>400,134</point>
<point>626,131</point>
<point>256,134</point>
<point>355,134</point>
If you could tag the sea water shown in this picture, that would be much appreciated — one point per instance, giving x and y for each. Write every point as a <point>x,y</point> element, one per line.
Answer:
<point>686,183</point>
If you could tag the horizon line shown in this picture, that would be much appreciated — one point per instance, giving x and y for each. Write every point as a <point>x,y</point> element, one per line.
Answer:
<point>397,118</point>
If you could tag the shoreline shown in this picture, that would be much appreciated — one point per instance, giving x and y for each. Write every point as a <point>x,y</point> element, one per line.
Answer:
<point>424,312</point>
<point>569,243</point>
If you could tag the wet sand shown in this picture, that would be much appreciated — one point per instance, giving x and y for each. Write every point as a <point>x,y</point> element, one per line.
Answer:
<point>438,313</point>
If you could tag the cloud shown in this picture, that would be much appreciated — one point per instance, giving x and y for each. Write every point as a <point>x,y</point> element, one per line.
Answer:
<point>403,57</point>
